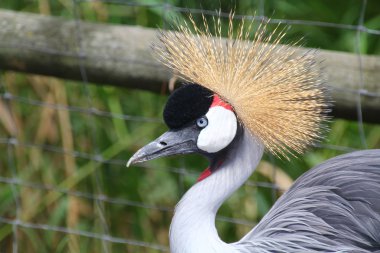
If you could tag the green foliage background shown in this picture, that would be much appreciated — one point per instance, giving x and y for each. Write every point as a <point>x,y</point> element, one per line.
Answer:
<point>159,183</point>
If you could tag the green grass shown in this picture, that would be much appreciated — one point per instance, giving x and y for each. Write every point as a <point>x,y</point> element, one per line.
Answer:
<point>154,184</point>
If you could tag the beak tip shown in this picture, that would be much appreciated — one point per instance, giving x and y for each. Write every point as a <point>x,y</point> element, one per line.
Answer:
<point>136,158</point>
<point>130,161</point>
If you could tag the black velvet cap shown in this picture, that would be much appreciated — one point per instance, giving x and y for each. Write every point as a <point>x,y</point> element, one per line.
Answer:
<point>186,104</point>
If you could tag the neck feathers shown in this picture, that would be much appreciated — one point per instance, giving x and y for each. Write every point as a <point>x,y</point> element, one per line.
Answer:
<point>193,225</point>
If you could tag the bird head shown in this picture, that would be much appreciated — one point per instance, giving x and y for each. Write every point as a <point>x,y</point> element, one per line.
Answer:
<point>199,121</point>
<point>277,92</point>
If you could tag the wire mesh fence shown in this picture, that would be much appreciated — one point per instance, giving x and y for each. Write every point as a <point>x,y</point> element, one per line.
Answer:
<point>64,144</point>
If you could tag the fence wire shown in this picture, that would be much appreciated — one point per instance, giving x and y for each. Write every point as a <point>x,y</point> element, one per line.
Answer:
<point>93,157</point>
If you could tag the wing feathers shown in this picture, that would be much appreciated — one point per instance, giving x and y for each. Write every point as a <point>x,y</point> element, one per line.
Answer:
<point>334,207</point>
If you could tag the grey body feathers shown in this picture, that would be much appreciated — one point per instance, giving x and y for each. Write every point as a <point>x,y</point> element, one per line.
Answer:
<point>334,207</point>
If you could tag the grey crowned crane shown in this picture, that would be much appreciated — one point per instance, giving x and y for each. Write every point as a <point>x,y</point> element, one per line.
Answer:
<point>244,97</point>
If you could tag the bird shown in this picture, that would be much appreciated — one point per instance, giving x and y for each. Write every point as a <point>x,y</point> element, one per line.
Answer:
<point>241,98</point>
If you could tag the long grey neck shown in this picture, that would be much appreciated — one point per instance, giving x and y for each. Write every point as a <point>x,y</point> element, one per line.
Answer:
<point>193,225</point>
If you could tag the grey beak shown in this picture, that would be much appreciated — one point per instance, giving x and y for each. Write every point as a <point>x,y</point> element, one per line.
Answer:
<point>181,141</point>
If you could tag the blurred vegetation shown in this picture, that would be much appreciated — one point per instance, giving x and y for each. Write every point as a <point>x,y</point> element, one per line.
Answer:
<point>157,183</point>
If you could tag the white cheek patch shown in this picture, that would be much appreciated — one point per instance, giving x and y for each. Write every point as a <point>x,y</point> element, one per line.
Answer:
<point>220,131</point>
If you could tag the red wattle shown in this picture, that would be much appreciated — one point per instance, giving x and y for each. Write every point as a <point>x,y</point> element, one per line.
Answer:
<point>204,174</point>
<point>218,102</point>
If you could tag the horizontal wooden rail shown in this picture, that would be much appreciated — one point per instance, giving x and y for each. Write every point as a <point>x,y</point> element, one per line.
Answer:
<point>121,56</point>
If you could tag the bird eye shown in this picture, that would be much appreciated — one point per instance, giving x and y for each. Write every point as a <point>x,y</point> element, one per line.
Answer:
<point>202,122</point>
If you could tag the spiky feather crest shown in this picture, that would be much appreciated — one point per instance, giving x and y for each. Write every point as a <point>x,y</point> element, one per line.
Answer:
<point>276,92</point>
